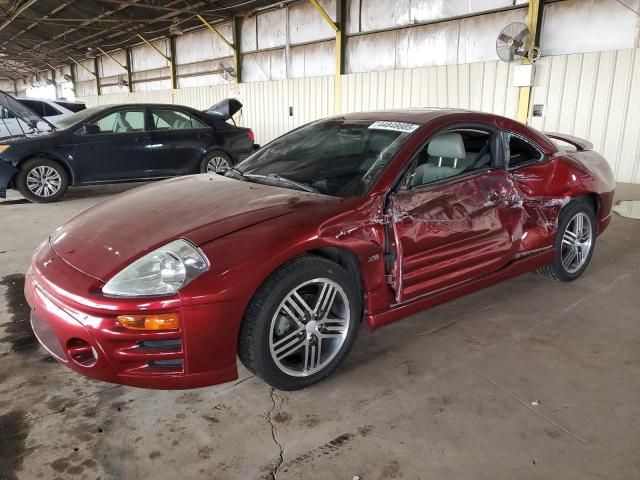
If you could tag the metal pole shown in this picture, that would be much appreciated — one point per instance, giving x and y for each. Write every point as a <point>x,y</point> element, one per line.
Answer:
<point>127,55</point>
<point>337,27</point>
<point>172,66</point>
<point>534,23</point>
<point>95,67</point>
<point>235,32</point>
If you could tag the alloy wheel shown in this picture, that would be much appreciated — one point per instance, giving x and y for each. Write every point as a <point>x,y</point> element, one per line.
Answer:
<point>576,242</point>
<point>218,165</point>
<point>44,181</point>
<point>310,327</point>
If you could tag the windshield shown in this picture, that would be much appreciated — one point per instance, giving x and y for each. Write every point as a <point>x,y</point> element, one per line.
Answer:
<point>334,157</point>
<point>76,118</point>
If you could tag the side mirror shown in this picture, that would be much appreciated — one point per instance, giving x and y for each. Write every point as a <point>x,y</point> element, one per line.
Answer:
<point>33,124</point>
<point>90,128</point>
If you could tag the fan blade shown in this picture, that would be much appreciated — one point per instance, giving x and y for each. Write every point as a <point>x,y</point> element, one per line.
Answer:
<point>503,37</point>
<point>521,35</point>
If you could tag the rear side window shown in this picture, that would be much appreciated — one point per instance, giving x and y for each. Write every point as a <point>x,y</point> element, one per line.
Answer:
<point>41,108</point>
<point>520,152</point>
<point>72,106</point>
<point>50,111</point>
<point>166,119</point>
<point>34,105</point>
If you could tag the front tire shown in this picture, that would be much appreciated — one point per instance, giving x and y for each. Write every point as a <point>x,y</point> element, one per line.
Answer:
<point>216,161</point>
<point>301,323</point>
<point>574,244</point>
<point>41,180</point>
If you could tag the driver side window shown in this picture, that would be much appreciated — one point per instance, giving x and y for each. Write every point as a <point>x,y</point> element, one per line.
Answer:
<point>122,121</point>
<point>451,154</point>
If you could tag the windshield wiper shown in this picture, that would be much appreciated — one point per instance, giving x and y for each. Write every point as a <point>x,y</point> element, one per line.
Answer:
<point>235,172</point>
<point>281,179</point>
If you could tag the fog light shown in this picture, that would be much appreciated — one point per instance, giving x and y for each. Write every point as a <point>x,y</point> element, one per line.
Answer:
<point>165,321</point>
<point>82,352</point>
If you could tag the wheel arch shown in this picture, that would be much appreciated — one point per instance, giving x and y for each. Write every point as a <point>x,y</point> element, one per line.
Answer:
<point>346,259</point>
<point>53,158</point>
<point>592,199</point>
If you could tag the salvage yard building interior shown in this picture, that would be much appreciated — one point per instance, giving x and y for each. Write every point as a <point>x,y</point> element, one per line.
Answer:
<point>527,378</point>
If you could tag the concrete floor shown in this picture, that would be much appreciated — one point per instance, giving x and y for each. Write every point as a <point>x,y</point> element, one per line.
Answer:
<point>526,379</point>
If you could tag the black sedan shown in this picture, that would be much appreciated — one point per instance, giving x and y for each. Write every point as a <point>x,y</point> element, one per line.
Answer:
<point>122,143</point>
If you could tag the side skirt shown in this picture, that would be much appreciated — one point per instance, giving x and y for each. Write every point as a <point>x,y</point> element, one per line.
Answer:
<point>399,311</point>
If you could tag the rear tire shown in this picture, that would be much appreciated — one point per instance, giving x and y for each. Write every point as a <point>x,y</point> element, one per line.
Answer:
<point>574,244</point>
<point>216,161</point>
<point>41,180</point>
<point>301,323</point>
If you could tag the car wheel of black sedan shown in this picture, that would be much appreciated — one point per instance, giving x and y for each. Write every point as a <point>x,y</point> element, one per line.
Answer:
<point>575,241</point>
<point>301,323</point>
<point>216,162</point>
<point>42,180</point>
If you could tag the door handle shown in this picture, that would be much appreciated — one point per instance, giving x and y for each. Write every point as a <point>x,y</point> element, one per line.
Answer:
<point>140,139</point>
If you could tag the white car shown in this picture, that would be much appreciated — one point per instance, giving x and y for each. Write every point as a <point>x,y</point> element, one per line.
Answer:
<point>50,110</point>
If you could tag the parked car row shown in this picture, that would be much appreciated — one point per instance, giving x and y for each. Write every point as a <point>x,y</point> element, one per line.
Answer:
<point>118,143</point>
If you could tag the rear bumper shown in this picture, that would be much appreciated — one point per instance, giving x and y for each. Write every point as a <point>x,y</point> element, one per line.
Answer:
<point>91,342</point>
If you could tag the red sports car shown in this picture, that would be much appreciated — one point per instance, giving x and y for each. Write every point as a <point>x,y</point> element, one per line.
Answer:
<point>363,217</point>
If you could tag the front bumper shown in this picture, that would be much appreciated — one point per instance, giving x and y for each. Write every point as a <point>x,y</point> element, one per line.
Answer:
<point>7,172</point>
<point>89,340</point>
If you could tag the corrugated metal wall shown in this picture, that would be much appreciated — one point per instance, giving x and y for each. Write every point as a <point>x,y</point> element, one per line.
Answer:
<point>593,95</point>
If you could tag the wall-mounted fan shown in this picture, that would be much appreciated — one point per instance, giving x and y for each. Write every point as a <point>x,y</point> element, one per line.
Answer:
<point>515,42</point>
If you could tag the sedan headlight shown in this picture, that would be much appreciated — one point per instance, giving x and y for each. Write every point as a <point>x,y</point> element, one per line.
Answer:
<point>161,272</point>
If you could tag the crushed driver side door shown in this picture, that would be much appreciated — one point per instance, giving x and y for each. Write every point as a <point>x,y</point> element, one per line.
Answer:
<point>453,230</point>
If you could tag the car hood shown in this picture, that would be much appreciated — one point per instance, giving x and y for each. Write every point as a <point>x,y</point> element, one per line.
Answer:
<point>29,138</point>
<point>108,236</point>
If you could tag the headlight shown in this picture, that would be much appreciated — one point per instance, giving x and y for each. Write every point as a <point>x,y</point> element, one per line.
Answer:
<point>4,148</point>
<point>161,272</point>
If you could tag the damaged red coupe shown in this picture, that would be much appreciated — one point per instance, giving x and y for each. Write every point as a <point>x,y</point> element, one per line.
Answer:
<point>356,218</point>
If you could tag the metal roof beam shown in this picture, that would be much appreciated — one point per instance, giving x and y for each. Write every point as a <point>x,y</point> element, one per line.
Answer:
<point>17,13</point>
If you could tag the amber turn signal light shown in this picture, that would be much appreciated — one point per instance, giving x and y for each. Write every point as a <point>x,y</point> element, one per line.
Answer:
<point>165,321</point>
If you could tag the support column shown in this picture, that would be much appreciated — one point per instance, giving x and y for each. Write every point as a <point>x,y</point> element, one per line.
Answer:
<point>169,59</point>
<point>172,62</point>
<point>235,31</point>
<point>534,23</point>
<point>340,45</point>
<point>235,46</point>
<point>97,74</point>
<point>129,63</point>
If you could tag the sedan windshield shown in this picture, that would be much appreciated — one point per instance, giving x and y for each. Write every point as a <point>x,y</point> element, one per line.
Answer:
<point>334,157</point>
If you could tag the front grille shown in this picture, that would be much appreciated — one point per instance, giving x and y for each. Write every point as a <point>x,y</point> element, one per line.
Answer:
<point>173,344</point>
<point>173,363</point>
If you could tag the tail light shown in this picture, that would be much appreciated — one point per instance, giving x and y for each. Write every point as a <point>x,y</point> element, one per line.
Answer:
<point>251,136</point>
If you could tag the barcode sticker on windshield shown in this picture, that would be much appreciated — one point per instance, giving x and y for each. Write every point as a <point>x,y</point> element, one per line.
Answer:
<point>395,126</point>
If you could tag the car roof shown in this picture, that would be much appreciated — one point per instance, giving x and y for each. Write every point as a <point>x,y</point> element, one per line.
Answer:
<point>413,115</point>
<point>49,100</point>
